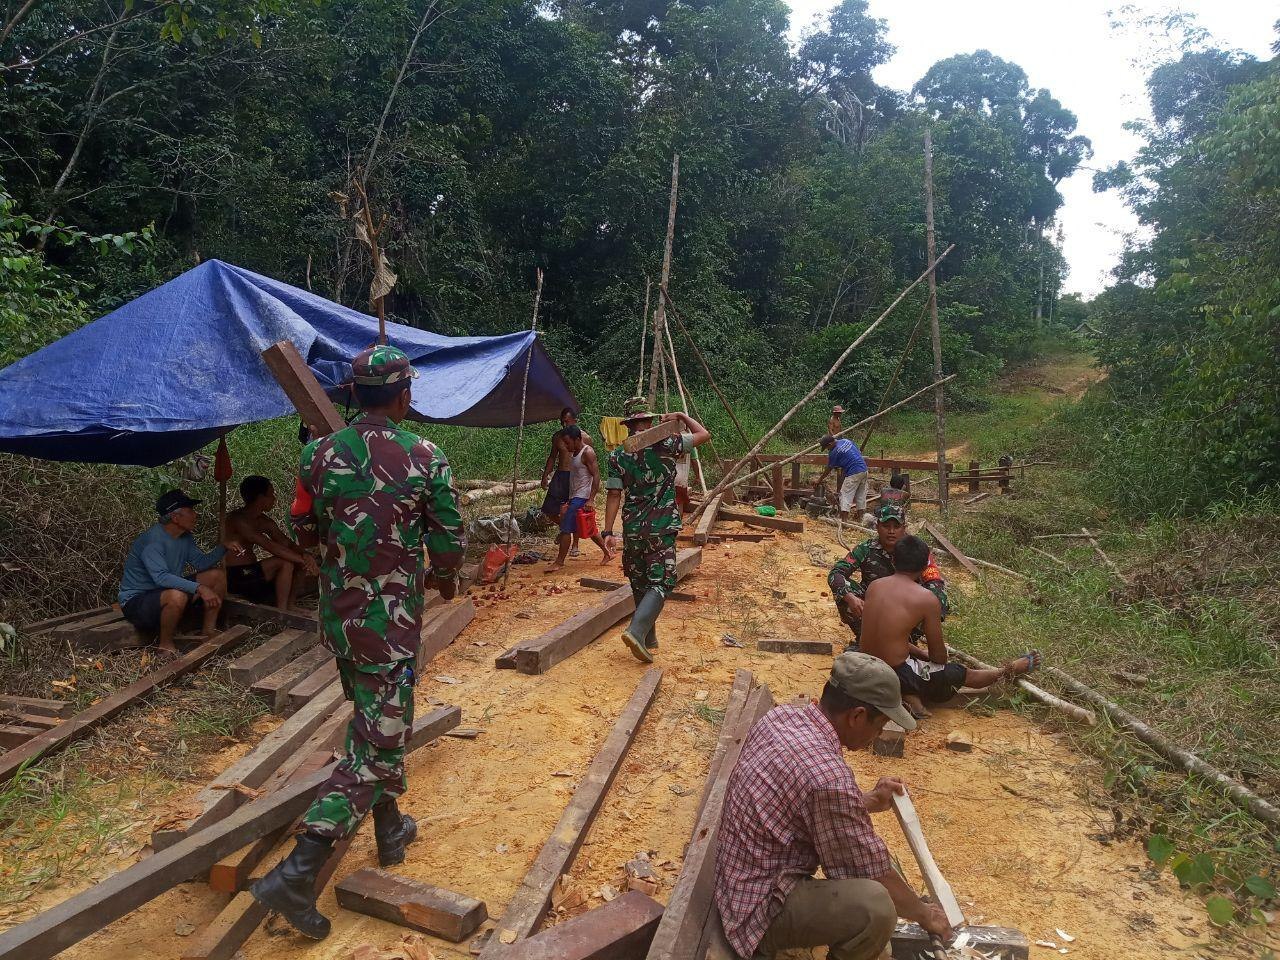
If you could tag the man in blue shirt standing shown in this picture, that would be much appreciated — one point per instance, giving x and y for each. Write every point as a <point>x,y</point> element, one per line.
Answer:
<point>154,592</point>
<point>844,455</point>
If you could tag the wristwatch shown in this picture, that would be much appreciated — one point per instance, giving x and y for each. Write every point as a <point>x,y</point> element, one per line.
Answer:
<point>607,533</point>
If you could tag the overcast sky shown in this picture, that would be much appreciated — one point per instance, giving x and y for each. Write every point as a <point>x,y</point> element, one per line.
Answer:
<point>1071,49</point>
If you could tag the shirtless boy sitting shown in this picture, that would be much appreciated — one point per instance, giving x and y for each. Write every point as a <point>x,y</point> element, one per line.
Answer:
<point>895,605</point>
<point>276,573</point>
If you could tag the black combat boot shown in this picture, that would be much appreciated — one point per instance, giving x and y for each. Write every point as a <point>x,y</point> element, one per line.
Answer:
<point>290,889</point>
<point>394,831</point>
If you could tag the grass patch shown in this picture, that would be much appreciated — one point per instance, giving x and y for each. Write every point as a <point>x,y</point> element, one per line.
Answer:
<point>709,714</point>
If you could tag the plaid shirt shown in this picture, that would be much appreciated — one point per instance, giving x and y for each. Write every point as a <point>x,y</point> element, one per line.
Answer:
<point>792,805</point>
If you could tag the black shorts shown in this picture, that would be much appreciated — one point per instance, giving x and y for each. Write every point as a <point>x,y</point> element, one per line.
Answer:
<point>250,582</point>
<point>143,611</point>
<point>941,686</point>
<point>557,494</point>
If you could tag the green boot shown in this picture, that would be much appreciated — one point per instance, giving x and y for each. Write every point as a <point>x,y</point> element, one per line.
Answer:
<point>641,626</point>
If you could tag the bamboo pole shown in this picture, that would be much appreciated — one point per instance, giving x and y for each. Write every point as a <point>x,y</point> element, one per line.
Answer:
<point>1188,761</point>
<point>1031,690</point>
<point>695,460</point>
<point>939,403</point>
<point>660,315</point>
<point>884,397</point>
<point>727,479</point>
<point>524,397</point>
<point>706,369</point>
<point>644,329</point>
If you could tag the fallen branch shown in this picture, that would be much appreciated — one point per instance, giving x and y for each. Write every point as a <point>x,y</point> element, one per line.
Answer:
<point>1045,553</point>
<point>502,490</point>
<point>1107,560</point>
<point>1031,690</point>
<point>1005,570</point>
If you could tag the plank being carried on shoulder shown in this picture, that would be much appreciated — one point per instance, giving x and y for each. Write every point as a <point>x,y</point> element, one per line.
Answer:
<point>647,438</point>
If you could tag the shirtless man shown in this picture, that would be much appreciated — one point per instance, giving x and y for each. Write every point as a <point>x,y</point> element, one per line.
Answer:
<point>246,575</point>
<point>894,606</point>
<point>555,474</point>
<point>584,484</point>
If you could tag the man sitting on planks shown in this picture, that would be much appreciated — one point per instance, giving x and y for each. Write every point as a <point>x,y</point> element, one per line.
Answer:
<point>871,560</point>
<point>154,594</point>
<point>894,606</point>
<point>792,805</point>
<point>843,455</point>
<point>374,494</point>
<point>254,579</point>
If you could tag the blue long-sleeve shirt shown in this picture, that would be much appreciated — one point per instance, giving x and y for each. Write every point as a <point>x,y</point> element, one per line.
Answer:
<point>846,456</point>
<point>157,560</point>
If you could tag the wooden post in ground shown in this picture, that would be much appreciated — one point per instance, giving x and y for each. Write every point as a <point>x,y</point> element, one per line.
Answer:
<point>973,476</point>
<point>939,403</point>
<point>779,492</point>
<point>660,315</point>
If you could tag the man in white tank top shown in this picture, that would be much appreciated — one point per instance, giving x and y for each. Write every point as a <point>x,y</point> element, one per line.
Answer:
<point>584,484</point>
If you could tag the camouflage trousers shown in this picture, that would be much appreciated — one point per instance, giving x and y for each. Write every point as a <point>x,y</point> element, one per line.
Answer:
<point>650,563</point>
<point>372,769</point>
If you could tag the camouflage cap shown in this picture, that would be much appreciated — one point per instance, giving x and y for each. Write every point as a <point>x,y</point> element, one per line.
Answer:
<point>381,364</point>
<point>637,408</point>
<point>891,512</point>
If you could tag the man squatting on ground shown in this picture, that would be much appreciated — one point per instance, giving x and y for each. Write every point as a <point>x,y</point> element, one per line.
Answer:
<point>556,472</point>
<point>584,484</point>
<point>650,518</point>
<point>373,494</point>
<point>280,573</point>
<point>154,594</point>
<point>793,805</point>
<point>895,605</point>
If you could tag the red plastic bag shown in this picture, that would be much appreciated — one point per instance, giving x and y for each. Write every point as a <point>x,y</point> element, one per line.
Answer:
<point>495,561</point>
<point>586,523</point>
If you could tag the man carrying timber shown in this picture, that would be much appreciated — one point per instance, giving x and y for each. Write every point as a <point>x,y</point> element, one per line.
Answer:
<point>871,560</point>
<point>793,805</point>
<point>650,518</point>
<point>374,495</point>
<point>895,605</point>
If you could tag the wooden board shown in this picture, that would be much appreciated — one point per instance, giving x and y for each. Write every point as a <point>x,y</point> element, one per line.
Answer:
<point>755,520</point>
<point>44,626</point>
<point>595,583</point>
<point>442,626</point>
<point>619,930</point>
<point>939,889</point>
<point>254,769</point>
<point>683,924</point>
<point>532,899</point>
<point>16,734</point>
<point>909,942</point>
<point>777,645</point>
<point>38,706</point>
<point>309,686</point>
<point>303,390</point>
<point>706,522</point>
<point>539,654</point>
<point>951,548</point>
<point>240,610</point>
<point>738,693</point>
<point>88,720</point>
<point>273,689</point>
<point>409,903</point>
<point>270,656</point>
<point>656,434</point>
<point>34,720</point>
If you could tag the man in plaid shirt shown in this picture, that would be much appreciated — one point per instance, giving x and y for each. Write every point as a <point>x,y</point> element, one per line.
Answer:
<point>793,805</point>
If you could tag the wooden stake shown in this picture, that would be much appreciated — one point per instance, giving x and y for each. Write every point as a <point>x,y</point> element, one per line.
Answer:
<point>939,889</point>
<point>524,398</point>
<point>660,315</point>
<point>939,404</point>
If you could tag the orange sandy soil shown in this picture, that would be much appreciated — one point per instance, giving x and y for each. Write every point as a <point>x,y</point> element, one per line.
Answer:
<point>1012,823</point>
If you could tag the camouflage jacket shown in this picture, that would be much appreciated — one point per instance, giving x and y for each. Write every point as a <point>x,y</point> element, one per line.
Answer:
<point>872,561</point>
<point>375,494</point>
<point>649,479</point>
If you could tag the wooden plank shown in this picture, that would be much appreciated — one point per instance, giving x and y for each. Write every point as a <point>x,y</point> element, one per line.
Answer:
<point>254,769</point>
<point>681,929</point>
<point>596,583</point>
<point>442,626</point>
<point>539,654</point>
<point>88,720</point>
<point>979,498</point>
<point>303,390</point>
<point>240,610</point>
<point>951,548</point>
<point>111,636</point>
<point>755,520</point>
<point>44,626</point>
<point>37,705</point>
<point>738,693</point>
<point>778,645</point>
<point>15,735</point>
<point>409,903</point>
<point>34,720</point>
<point>270,656</point>
<point>656,434</point>
<point>618,930</point>
<point>310,686</point>
<point>71,629</point>
<point>533,898</point>
<point>273,689</point>
<point>909,942</point>
<point>939,889</point>
<point>705,522</point>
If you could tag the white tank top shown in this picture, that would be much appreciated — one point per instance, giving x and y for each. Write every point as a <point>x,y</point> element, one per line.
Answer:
<point>580,479</point>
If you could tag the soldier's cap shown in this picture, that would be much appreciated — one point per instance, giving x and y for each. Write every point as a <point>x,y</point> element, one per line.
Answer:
<point>872,681</point>
<point>891,512</point>
<point>637,408</point>
<point>379,365</point>
<point>172,500</point>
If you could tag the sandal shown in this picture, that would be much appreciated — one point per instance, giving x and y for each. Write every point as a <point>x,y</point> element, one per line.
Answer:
<point>1033,658</point>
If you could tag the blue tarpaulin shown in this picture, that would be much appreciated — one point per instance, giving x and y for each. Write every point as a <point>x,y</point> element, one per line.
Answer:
<point>176,368</point>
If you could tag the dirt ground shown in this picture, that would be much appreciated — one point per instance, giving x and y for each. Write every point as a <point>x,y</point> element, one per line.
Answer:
<point>1017,825</point>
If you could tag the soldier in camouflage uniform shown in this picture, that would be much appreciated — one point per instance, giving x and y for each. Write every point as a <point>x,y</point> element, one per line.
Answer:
<point>650,518</point>
<point>871,560</point>
<point>374,495</point>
